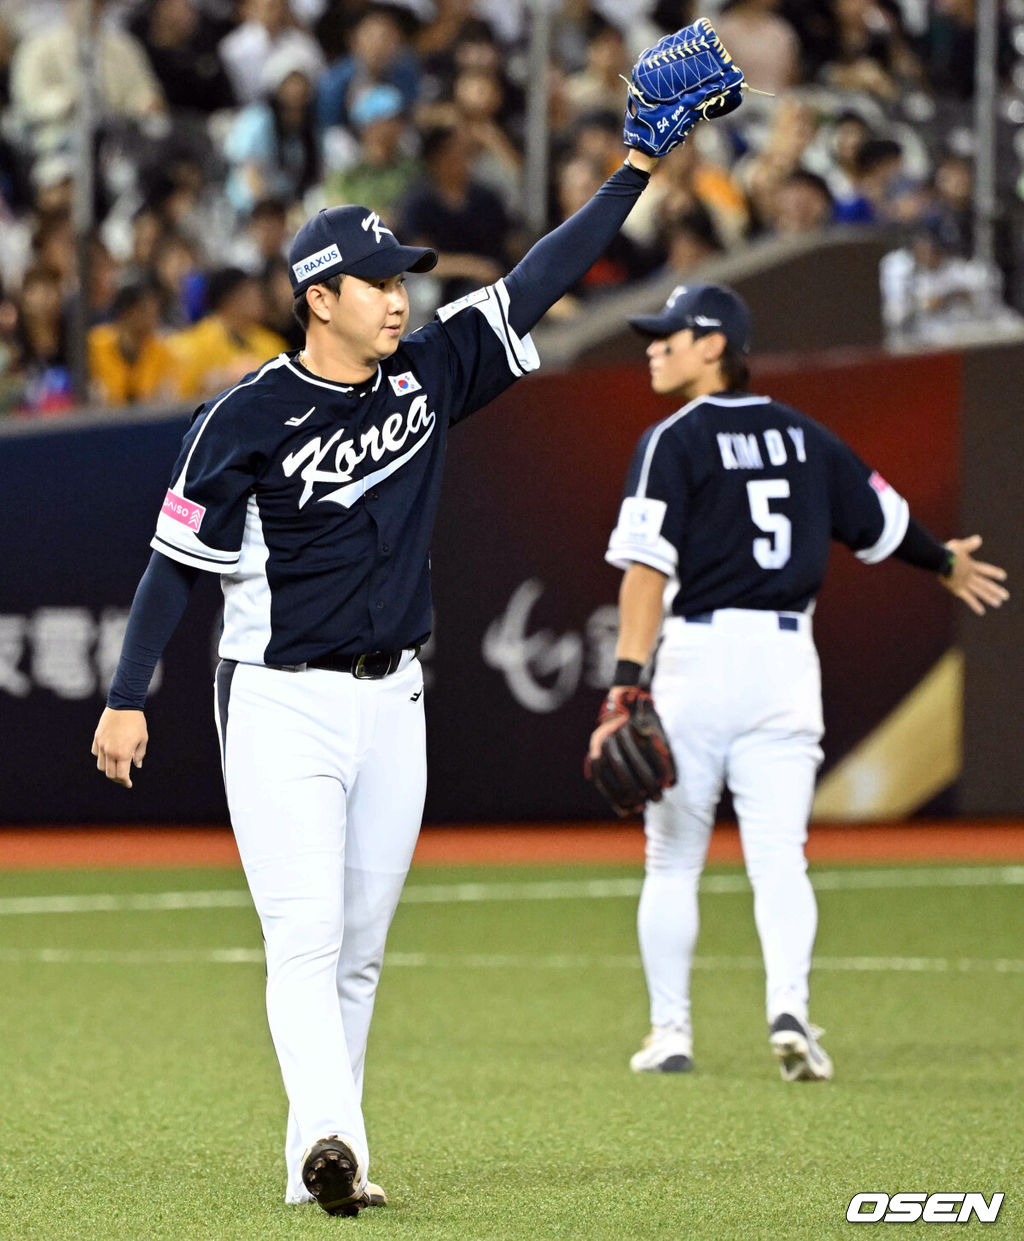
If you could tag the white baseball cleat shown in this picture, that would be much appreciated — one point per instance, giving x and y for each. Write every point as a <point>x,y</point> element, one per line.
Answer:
<point>795,1045</point>
<point>666,1049</point>
<point>375,1195</point>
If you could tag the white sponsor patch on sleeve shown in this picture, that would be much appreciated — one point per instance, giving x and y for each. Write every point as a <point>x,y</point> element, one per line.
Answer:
<point>493,303</point>
<point>640,519</point>
<point>476,298</point>
<point>638,537</point>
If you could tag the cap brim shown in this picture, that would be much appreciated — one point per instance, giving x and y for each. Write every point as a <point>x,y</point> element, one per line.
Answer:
<point>392,261</point>
<point>652,325</point>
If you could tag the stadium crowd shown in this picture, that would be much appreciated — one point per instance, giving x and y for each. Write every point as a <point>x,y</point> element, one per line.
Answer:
<point>223,124</point>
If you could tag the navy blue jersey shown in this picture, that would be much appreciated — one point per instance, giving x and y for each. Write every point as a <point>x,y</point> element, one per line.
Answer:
<point>316,501</point>
<point>739,497</point>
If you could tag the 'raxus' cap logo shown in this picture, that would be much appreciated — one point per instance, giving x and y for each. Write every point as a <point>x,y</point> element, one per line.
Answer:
<point>316,262</point>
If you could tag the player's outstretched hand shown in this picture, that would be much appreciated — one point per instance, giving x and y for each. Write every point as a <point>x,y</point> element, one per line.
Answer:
<point>120,741</point>
<point>974,581</point>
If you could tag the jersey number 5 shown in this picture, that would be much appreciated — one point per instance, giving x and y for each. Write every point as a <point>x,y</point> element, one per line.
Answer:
<point>773,552</point>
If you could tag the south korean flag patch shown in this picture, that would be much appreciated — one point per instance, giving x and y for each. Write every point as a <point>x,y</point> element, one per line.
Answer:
<point>404,384</point>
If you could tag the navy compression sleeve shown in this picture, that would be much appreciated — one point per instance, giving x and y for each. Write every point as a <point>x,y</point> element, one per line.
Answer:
<point>157,607</point>
<point>555,263</point>
<point>923,550</point>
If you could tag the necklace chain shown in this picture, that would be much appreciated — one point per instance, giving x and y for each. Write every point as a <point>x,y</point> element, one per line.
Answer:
<point>304,359</point>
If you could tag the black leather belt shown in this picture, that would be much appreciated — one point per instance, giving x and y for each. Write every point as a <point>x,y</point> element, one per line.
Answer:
<point>372,666</point>
<point>706,618</point>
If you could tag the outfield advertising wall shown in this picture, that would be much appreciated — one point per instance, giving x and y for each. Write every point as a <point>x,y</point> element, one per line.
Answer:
<point>524,604</point>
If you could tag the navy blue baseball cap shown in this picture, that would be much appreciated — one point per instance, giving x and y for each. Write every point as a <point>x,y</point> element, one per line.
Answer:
<point>702,307</point>
<point>351,241</point>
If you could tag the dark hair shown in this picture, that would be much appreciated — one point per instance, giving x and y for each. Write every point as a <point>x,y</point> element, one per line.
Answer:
<point>596,27</point>
<point>698,223</point>
<point>669,15</point>
<point>598,118</point>
<point>847,115</point>
<point>222,284</point>
<point>475,30</point>
<point>735,368</point>
<point>300,307</point>
<point>873,152</point>
<point>434,141</point>
<point>269,206</point>
<point>304,170</point>
<point>801,176</point>
<point>128,296</point>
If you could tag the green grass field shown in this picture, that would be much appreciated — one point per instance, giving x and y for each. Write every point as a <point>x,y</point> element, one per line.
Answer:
<point>141,1097</point>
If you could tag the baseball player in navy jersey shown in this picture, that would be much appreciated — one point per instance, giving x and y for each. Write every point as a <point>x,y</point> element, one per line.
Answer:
<point>730,507</point>
<point>311,489</point>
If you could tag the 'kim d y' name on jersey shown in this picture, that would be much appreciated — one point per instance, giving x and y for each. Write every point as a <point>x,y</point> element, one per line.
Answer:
<point>316,501</point>
<point>739,497</point>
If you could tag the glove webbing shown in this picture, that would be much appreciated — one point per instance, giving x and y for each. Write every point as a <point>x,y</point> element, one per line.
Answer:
<point>701,44</point>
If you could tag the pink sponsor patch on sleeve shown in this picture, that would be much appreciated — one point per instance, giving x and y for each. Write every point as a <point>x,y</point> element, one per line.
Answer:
<point>177,508</point>
<point>876,481</point>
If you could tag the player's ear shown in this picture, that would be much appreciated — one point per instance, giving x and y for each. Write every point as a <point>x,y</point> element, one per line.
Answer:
<point>712,346</point>
<point>316,300</point>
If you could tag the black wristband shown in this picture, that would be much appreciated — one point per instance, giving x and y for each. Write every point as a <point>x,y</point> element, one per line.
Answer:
<point>640,172</point>
<point>947,568</point>
<point>627,672</point>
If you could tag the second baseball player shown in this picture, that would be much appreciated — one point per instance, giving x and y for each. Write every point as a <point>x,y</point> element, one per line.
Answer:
<point>730,507</point>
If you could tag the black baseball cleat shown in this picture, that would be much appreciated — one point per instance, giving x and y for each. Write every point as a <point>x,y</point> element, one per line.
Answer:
<point>795,1046</point>
<point>330,1172</point>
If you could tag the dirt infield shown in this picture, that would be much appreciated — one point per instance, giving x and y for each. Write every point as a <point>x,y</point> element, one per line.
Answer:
<point>511,844</point>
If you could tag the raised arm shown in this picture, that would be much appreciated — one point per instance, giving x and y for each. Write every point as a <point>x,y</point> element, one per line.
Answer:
<point>562,257</point>
<point>121,735</point>
<point>684,78</point>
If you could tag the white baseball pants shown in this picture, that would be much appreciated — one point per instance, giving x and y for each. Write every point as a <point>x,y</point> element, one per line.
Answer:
<point>740,698</point>
<point>325,777</point>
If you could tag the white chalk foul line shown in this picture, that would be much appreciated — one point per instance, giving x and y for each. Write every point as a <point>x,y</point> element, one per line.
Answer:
<point>500,960</point>
<point>116,902</point>
<point>140,956</point>
<point>525,890</point>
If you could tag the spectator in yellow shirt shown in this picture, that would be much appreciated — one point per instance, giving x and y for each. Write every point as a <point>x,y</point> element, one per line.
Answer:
<point>128,361</point>
<point>227,343</point>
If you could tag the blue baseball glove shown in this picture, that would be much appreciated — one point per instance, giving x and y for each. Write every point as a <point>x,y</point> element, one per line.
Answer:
<point>685,77</point>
